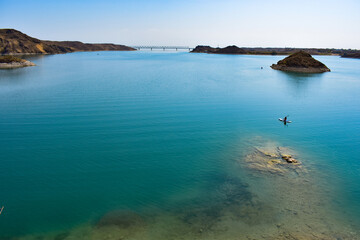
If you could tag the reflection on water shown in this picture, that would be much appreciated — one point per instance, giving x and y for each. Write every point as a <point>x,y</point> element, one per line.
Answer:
<point>19,76</point>
<point>299,83</point>
<point>12,76</point>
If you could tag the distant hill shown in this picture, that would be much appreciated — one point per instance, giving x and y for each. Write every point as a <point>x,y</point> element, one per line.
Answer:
<point>226,50</point>
<point>300,62</point>
<point>79,46</point>
<point>14,42</point>
<point>275,51</point>
<point>351,55</point>
<point>204,49</point>
<point>231,50</point>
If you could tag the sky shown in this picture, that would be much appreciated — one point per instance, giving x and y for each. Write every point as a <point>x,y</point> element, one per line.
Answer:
<point>256,23</point>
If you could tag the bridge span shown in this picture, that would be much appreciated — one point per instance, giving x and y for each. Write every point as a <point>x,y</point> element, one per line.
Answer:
<point>163,47</point>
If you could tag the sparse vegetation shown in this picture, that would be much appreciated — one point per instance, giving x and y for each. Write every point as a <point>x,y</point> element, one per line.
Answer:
<point>351,55</point>
<point>10,59</point>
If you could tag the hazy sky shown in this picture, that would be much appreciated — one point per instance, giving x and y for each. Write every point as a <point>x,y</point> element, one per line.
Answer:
<point>272,23</point>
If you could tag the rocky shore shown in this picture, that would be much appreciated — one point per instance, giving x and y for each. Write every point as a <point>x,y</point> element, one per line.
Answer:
<point>7,62</point>
<point>300,62</point>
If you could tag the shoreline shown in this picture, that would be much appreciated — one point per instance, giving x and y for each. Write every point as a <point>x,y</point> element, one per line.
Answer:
<point>299,70</point>
<point>234,50</point>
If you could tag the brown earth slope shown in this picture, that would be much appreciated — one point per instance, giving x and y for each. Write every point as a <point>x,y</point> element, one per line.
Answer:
<point>16,42</point>
<point>300,62</point>
<point>79,46</point>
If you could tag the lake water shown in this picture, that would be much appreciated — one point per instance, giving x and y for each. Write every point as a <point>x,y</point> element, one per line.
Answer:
<point>159,145</point>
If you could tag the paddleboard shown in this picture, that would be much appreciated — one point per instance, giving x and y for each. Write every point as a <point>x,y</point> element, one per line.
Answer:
<point>280,119</point>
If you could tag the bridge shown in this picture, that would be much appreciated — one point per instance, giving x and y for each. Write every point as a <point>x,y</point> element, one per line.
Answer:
<point>162,47</point>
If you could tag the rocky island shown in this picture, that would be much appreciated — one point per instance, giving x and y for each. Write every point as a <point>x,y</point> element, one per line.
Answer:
<point>13,62</point>
<point>301,62</point>
<point>226,50</point>
<point>14,42</point>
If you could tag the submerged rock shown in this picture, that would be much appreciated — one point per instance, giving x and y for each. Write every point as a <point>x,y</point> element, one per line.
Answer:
<point>271,159</point>
<point>121,219</point>
<point>300,62</point>
<point>289,158</point>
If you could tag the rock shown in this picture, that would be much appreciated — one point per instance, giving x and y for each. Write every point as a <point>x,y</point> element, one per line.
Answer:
<point>289,159</point>
<point>271,159</point>
<point>300,62</point>
<point>285,157</point>
<point>269,152</point>
<point>13,62</point>
<point>292,160</point>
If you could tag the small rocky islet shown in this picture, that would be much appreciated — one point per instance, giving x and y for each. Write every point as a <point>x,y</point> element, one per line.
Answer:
<point>301,62</point>
<point>7,62</point>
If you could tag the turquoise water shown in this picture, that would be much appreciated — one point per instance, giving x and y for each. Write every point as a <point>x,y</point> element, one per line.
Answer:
<point>162,134</point>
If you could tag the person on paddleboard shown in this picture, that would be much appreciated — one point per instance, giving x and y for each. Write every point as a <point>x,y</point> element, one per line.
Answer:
<point>285,118</point>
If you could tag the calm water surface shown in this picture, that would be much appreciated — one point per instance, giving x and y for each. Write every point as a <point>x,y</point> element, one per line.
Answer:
<point>162,136</point>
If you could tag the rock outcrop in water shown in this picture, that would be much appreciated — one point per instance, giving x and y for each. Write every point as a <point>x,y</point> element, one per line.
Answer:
<point>275,160</point>
<point>300,62</point>
<point>15,42</point>
<point>14,62</point>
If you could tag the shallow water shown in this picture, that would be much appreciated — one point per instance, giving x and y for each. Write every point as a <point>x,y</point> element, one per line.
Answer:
<point>153,145</point>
